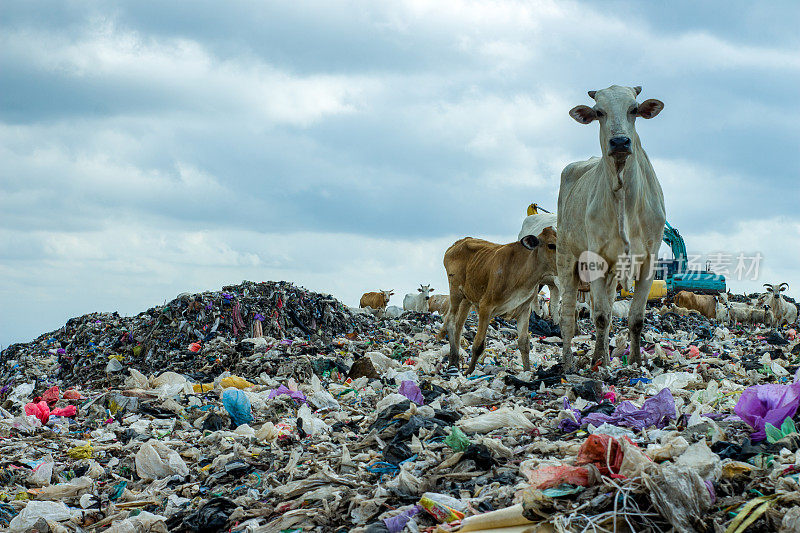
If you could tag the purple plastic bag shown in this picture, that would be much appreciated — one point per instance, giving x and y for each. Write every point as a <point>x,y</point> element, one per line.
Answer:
<point>396,524</point>
<point>762,404</point>
<point>411,390</point>
<point>655,411</point>
<point>293,394</point>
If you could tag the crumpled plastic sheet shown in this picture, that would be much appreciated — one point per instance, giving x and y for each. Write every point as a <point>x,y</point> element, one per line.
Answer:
<point>681,496</point>
<point>552,476</point>
<point>656,411</point>
<point>771,403</point>
<point>293,394</point>
<point>411,390</point>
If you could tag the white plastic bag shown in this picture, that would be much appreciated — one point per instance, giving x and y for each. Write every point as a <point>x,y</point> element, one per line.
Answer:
<point>502,418</point>
<point>311,424</point>
<point>51,511</point>
<point>155,461</point>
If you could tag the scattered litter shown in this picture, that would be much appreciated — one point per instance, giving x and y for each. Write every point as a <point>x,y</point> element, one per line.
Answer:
<point>267,407</point>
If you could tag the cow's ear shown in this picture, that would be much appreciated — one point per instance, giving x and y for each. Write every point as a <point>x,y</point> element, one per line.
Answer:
<point>529,241</point>
<point>431,290</point>
<point>583,114</point>
<point>650,108</point>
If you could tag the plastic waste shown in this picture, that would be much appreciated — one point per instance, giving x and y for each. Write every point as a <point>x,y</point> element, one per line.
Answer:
<point>440,507</point>
<point>155,460</point>
<point>34,510</point>
<point>771,403</point>
<point>457,441</point>
<point>68,411</point>
<point>655,411</point>
<point>238,406</point>
<point>144,521</point>
<point>702,460</point>
<point>211,517</point>
<point>681,496</point>
<point>324,401</point>
<point>284,390</point>
<point>43,471</point>
<point>234,381</point>
<point>775,434</point>
<point>40,410</point>
<point>552,476</point>
<point>397,523</point>
<point>672,380</point>
<point>66,490</point>
<point>502,418</point>
<point>411,390</point>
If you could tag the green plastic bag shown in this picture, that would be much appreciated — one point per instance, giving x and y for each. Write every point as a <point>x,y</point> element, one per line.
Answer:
<point>457,441</point>
<point>774,434</point>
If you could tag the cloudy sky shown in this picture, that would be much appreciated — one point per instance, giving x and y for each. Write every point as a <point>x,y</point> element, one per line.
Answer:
<point>151,148</point>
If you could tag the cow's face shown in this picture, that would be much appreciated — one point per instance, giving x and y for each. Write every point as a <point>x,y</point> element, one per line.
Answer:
<point>386,295</point>
<point>544,245</point>
<point>616,109</point>
<point>425,290</point>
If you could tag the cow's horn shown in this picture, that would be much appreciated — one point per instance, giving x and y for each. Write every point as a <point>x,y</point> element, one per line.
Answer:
<point>591,94</point>
<point>637,90</point>
<point>768,286</point>
<point>781,286</point>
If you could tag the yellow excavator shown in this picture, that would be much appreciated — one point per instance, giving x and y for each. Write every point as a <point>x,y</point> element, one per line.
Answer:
<point>658,289</point>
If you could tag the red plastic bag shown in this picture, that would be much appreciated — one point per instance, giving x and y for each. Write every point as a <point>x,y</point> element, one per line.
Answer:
<point>72,394</point>
<point>40,410</point>
<point>604,452</point>
<point>552,476</point>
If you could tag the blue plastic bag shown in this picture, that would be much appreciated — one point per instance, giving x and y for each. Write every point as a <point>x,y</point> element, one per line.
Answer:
<point>238,406</point>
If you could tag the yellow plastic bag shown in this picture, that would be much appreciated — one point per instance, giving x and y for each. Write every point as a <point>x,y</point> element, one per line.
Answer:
<point>234,381</point>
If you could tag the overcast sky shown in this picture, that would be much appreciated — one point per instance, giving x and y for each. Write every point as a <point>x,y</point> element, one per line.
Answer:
<point>151,148</point>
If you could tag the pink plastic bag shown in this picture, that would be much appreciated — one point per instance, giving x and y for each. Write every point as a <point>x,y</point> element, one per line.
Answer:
<point>40,410</point>
<point>552,476</point>
<point>68,411</point>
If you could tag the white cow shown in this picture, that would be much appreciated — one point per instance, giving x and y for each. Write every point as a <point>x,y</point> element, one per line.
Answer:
<point>783,312</point>
<point>533,225</point>
<point>613,207</point>
<point>418,302</point>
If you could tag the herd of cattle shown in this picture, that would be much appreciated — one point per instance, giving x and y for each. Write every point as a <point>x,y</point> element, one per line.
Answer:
<point>612,206</point>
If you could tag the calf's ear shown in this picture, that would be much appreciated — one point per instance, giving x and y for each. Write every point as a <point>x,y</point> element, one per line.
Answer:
<point>650,108</point>
<point>529,241</point>
<point>583,114</point>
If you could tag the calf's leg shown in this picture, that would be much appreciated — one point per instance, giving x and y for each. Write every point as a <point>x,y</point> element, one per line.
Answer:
<point>456,325</point>
<point>523,336</point>
<point>479,343</point>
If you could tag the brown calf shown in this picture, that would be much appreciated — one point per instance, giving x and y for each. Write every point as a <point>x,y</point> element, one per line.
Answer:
<point>439,303</point>
<point>498,279</point>
<point>375,300</point>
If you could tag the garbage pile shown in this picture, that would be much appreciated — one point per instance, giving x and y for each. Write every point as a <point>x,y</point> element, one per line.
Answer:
<point>267,408</point>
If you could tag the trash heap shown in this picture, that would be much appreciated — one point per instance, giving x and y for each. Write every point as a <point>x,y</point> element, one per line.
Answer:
<point>265,407</point>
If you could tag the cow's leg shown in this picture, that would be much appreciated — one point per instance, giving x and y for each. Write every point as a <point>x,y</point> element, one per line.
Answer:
<point>456,326</point>
<point>569,297</point>
<point>636,314</point>
<point>523,336</point>
<point>555,304</point>
<point>479,343</point>
<point>602,291</point>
